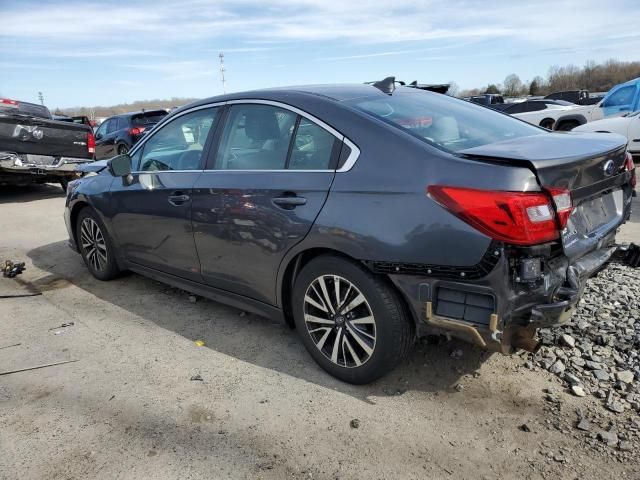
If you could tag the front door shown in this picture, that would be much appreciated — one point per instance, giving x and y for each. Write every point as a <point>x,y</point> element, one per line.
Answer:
<point>152,210</point>
<point>269,180</point>
<point>104,144</point>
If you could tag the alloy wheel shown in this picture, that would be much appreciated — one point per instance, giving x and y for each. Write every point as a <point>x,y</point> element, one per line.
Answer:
<point>93,244</point>
<point>339,320</point>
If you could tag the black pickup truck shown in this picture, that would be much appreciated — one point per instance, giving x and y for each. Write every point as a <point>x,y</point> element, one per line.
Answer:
<point>34,148</point>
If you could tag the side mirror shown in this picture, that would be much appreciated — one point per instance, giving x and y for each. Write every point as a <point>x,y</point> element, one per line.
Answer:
<point>120,166</point>
<point>98,136</point>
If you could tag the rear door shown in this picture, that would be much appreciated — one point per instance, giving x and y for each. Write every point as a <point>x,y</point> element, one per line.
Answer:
<point>104,146</point>
<point>152,211</point>
<point>262,192</point>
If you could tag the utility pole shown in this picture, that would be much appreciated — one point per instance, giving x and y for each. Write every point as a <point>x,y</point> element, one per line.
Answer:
<point>41,98</point>
<point>222,70</point>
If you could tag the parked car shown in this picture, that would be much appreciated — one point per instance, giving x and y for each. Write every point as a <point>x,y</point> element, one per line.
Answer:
<point>488,99</point>
<point>118,134</point>
<point>626,125</point>
<point>34,148</point>
<point>365,216</point>
<point>549,114</point>
<point>579,97</point>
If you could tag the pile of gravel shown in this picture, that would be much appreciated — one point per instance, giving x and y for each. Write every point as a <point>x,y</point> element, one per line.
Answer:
<point>598,353</point>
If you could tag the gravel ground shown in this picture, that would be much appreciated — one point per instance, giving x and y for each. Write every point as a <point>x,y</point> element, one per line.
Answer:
<point>144,401</point>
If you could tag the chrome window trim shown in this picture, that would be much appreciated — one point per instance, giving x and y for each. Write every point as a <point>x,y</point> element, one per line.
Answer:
<point>348,164</point>
<point>168,119</point>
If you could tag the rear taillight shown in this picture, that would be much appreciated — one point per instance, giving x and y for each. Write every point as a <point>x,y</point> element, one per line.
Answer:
<point>630,167</point>
<point>519,218</point>
<point>136,130</point>
<point>91,143</point>
<point>6,101</point>
<point>564,206</point>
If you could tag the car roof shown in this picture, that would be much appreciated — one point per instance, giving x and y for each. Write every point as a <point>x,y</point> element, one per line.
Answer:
<point>334,93</point>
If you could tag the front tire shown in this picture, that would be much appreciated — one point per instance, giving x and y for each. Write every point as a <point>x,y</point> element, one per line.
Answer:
<point>352,322</point>
<point>95,245</point>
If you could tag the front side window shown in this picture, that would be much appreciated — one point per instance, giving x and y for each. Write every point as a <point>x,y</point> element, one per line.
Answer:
<point>102,129</point>
<point>624,96</point>
<point>178,145</point>
<point>112,126</point>
<point>313,147</point>
<point>444,122</point>
<point>256,137</point>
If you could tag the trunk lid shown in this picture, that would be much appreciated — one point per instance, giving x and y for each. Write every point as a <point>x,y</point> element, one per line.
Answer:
<point>589,165</point>
<point>39,136</point>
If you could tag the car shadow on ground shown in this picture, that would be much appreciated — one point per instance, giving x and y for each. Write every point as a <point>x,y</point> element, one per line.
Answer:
<point>30,193</point>
<point>433,366</point>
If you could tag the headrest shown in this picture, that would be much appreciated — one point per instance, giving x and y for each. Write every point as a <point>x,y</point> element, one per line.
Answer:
<point>261,124</point>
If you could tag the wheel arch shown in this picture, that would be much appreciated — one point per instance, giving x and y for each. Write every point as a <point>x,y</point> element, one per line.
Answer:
<point>575,118</point>
<point>546,120</point>
<point>73,216</point>
<point>294,262</point>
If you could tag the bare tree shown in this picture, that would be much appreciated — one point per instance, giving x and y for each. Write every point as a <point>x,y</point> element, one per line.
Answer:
<point>512,85</point>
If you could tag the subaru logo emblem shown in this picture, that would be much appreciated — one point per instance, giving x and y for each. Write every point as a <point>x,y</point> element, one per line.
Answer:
<point>609,168</point>
<point>37,134</point>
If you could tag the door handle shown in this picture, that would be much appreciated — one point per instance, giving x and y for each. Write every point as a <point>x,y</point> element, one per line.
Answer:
<point>289,203</point>
<point>178,199</point>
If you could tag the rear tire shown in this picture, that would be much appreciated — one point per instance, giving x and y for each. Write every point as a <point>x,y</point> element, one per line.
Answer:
<point>123,149</point>
<point>547,123</point>
<point>354,325</point>
<point>95,246</point>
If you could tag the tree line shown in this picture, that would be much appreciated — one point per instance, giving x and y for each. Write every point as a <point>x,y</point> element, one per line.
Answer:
<point>99,111</point>
<point>595,77</point>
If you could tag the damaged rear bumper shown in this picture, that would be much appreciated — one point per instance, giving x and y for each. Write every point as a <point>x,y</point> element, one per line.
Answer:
<point>501,311</point>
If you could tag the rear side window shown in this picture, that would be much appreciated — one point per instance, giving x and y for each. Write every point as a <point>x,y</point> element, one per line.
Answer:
<point>179,144</point>
<point>313,147</point>
<point>442,121</point>
<point>256,137</point>
<point>122,123</point>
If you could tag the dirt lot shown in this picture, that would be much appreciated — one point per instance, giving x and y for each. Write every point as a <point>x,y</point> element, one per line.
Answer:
<point>129,408</point>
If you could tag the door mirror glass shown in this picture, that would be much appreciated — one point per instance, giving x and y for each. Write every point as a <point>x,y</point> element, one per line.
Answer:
<point>120,166</point>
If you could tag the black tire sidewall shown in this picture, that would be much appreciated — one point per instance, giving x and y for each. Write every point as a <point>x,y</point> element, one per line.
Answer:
<point>111,270</point>
<point>387,310</point>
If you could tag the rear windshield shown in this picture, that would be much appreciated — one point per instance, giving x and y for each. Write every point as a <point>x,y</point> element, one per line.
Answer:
<point>445,122</point>
<point>147,118</point>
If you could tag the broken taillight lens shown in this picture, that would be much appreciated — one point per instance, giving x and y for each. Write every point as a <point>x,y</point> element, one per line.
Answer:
<point>564,206</point>
<point>520,218</point>
<point>91,143</point>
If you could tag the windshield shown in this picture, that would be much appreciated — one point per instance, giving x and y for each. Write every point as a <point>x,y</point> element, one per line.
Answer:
<point>445,122</point>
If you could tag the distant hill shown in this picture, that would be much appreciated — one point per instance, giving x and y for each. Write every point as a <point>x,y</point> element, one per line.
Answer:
<point>102,111</point>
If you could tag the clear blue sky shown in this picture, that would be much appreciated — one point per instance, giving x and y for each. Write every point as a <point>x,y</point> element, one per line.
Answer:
<point>108,52</point>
